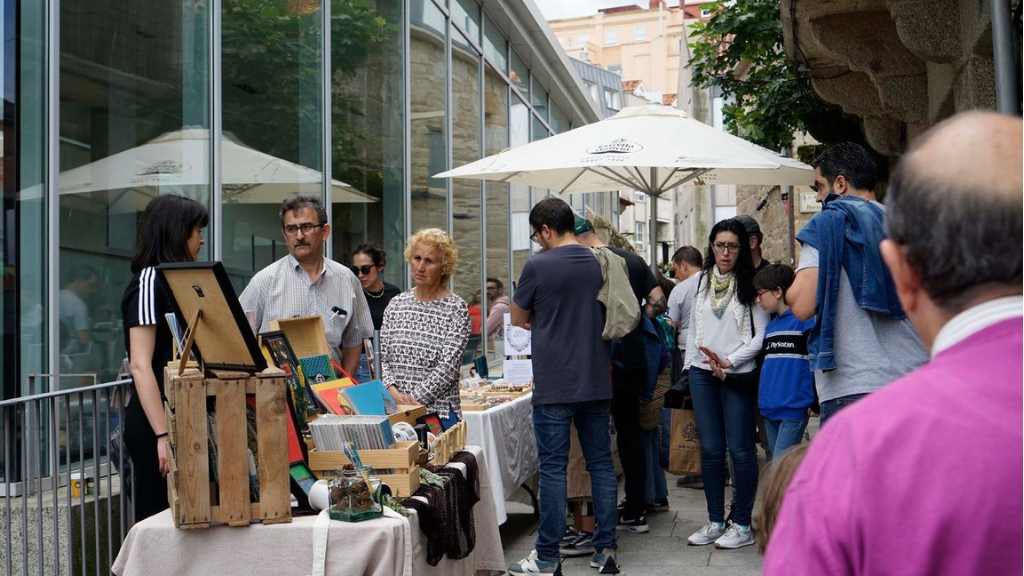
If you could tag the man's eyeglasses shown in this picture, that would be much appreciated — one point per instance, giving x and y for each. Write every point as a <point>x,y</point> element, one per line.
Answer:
<point>722,247</point>
<point>533,237</point>
<point>307,227</point>
<point>361,270</point>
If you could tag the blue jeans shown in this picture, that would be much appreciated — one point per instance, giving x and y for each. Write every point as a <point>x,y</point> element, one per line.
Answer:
<point>783,434</point>
<point>551,426</point>
<point>725,412</point>
<point>664,433</point>
<point>655,489</point>
<point>829,408</point>
<point>363,372</point>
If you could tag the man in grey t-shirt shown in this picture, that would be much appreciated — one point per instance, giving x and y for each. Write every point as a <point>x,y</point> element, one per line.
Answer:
<point>870,348</point>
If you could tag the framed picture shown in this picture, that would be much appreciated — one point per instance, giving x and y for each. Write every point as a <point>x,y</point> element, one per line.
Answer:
<point>281,353</point>
<point>223,337</point>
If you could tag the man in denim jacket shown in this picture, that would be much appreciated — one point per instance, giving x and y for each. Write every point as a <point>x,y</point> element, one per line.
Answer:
<point>862,339</point>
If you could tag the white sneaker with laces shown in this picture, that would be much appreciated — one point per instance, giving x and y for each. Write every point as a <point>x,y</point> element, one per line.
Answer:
<point>737,536</point>
<point>707,534</point>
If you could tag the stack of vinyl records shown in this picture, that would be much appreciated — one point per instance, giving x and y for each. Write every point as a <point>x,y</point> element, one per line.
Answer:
<point>331,433</point>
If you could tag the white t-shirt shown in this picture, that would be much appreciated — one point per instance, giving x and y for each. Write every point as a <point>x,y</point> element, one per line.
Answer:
<point>680,301</point>
<point>871,349</point>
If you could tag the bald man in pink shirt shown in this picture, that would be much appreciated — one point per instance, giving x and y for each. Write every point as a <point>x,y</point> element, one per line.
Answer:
<point>924,476</point>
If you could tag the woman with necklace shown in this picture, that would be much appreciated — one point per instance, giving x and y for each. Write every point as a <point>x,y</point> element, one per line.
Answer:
<point>425,330</point>
<point>368,264</point>
<point>722,344</point>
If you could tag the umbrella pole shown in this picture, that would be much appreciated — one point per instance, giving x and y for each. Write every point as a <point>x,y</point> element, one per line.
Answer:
<point>654,219</point>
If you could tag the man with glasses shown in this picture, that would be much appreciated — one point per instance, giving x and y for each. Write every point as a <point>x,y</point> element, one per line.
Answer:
<point>862,339</point>
<point>305,283</point>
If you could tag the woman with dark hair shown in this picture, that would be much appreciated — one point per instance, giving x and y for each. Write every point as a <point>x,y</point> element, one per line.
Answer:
<point>724,338</point>
<point>170,231</point>
<point>368,263</point>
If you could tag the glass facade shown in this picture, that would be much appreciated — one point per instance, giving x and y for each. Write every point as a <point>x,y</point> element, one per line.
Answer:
<point>359,103</point>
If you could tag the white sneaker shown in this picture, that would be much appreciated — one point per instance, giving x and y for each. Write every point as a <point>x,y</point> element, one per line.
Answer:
<point>707,534</point>
<point>737,536</point>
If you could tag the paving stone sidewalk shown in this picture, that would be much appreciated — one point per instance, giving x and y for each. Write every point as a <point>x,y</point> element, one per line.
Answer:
<point>661,552</point>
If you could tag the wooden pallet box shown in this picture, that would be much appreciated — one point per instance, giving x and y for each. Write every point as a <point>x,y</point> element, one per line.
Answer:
<point>194,501</point>
<point>404,476</point>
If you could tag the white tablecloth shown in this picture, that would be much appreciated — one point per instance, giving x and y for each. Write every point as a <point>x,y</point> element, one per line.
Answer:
<point>371,548</point>
<point>506,434</point>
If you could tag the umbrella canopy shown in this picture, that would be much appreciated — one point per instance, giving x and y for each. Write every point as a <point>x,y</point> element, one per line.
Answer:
<point>180,161</point>
<point>651,148</point>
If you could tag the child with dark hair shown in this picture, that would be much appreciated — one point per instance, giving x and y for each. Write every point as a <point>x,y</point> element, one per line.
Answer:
<point>787,389</point>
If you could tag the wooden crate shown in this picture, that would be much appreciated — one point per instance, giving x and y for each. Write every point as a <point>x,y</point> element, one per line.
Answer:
<point>189,481</point>
<point>408,413</point>
<point>404,478</point>
<point>448,443</point>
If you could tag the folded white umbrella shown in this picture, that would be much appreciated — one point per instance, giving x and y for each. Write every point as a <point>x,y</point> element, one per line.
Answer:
<point>651,148</point>
<point>179,161</point>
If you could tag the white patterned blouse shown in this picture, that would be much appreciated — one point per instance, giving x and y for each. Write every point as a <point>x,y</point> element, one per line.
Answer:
<point>421,345</point>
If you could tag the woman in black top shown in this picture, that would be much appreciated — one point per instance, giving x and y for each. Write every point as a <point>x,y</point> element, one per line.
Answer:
<point>368,263</point>
<point>170,231</point>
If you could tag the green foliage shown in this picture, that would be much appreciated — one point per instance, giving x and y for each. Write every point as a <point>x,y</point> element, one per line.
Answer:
<point>740,50</point>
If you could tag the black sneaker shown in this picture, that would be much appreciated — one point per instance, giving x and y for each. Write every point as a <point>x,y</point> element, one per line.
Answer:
<point>690,481</point>
<point>605,562</point>
<point>636,525</point>
<point>583,545</point>
<point>569,537</point>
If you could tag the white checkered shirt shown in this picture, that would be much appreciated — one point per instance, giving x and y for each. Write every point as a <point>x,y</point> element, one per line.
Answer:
<point>284,290</point>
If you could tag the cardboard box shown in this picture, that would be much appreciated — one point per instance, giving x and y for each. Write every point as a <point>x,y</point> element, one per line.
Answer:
<point>306,334</point>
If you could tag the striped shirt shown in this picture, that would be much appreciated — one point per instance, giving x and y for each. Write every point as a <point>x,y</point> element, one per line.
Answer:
<point>284,290</point>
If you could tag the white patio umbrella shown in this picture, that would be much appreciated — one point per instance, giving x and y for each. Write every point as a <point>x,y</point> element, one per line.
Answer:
<point>652,148</point>
<point>180,160</point>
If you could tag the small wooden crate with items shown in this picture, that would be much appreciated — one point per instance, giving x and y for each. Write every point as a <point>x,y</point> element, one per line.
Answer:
<point>226,414</point>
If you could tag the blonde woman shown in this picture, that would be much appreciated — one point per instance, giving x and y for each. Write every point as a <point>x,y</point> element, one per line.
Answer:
<point>426,329</point>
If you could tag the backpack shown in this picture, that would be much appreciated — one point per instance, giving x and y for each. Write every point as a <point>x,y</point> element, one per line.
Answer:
<point>622,311</point>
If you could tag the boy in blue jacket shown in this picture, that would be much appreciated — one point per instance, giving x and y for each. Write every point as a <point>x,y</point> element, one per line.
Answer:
<point>787,386</point>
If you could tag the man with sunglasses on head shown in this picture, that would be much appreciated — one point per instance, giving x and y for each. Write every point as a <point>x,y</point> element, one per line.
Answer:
<point>862,339</point>
<point>305,283</point>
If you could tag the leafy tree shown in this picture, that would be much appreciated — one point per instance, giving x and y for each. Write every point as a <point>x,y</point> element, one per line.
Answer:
<point>740,51</point>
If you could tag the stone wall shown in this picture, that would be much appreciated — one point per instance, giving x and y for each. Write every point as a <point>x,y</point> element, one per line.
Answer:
<point>900,65</point>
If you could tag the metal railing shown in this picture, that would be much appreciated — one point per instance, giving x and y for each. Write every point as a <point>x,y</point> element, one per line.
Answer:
<point>64,488</point>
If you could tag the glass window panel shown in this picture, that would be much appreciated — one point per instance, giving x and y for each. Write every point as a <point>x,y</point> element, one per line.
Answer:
<point>367,128</point>
<point>539,98</point>
<point>460,42</point>
<point>23,259</point>
<point>496,134</point>
<point>495,46</point>
<point>539,131</point>
<point>429,140</point>
<point>559,122</point>
<point>466,194</point>
<point>519,195</point>
<point>466,15</point>
<point>134,122</point>
<point>273,114</point>
<point>520,75</point>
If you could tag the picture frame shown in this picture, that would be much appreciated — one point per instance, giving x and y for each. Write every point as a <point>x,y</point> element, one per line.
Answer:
<point>223,337</point>
<point>275,342</point>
